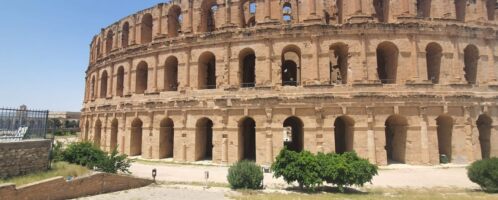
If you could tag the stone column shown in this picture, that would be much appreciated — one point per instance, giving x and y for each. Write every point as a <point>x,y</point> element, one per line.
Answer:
<point>130,68</point>
<point>267,10</point>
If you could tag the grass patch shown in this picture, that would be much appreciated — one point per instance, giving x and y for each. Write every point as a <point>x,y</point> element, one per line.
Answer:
<point>374,194</point>
<point>58,169</point>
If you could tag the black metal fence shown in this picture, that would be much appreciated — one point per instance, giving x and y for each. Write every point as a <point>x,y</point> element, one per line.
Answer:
<point>18,124</point>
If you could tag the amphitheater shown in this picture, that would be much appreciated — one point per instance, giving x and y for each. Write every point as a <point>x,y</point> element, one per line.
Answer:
<point>397,81</point>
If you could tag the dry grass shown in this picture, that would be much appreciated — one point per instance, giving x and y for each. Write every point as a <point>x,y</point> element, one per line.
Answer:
<point>58,169</point>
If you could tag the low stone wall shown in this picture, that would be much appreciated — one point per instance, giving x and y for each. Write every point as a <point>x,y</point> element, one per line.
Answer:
<point>27,156</point>
<point>58,188</point>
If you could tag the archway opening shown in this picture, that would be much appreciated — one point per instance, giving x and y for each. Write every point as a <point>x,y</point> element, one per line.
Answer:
<point>344,134</point>
<point>424,8</point>
<point>87,130</point>
<point>387,62</point>
<point>166,138</point>
<point>171,74</point>
<point>92,88</point>
<point>142,75</point>
<point>120,81</point>
<point>208,13</point>
<point>146,28</point>
<point>114,134</point>
<point>103,85</point>
<point>460,9</point>
<point>291,66</point>
<point>381,10</point>
<point>339,63</point>
<point>136,137</point>
<point>207,71</point>
<point>247,139</point>
<point>125,34</point>
<point>433,55</point>
<point>444,135</point>
<point>247,13</point>
<point>484,125</point>
<point>175,19</point>
<point>491,6</point>
<point>396,133</point>
<point>247,60</point>
<point>204,139</point>
<point>97,133</point>
<point>109,41</point>
<point>295,126</point>
<point>471,59</point>
<point>287,12</point>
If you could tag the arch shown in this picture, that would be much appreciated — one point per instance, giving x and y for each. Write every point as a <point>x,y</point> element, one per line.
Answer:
<point>98,48</point>
<point>208,13</point>
<point>247,68</point>
<point>92,88</point>
<point>204,139</point>
<point>433,55</point>
<point>87,130</point>
<point>471,60</point>
<point>120,81</point>
<point>125,34</point>
<point>484,125</point>
<point>175,19</point>
<point>444,135</point>
<point>287,12</point>
<point>491,6</point>
<point>424,8</point>
<point>146,28</point>
<point>166,138</point>
<point>387,62</point>
<point>291,66</point>
<point>142,76</point>
<point>247,13</point>
<point>114,134</point>
<point>460,9</point>
<point>247,139</point>
<point>171,74</point>
<point>396,133</point>
<point>382,10</point>
<point>103,84</point>
<point>207,71</point>
<point>97,133</point>
<point>339,54</point>
<point>109,41</point>
<point>344,134</point>
<point>296,127</point>
<point>136,137</point>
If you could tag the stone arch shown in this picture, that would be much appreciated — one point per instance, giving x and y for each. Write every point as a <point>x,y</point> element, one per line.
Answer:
<point>297,130</point>
<point>114,134</point>
<point>141,78</point>
<point>171,74</point>
<point>387,62</point>
<point>247,139</point>
<point>471,60</point>
<point>204,139</point>
<point>396,134</point>
<point>125,34</point>
<point>381,10</point>
<point>247,68</point>
<point>247,12</point>
<point>433,55</point>
<point>344,134</point>
<point>444,135</point>
<point>460,9</point>
<point>120,81</point>
<point>98,48</point>
<point>92,87</point>
<point>136,137</point>
<point>339,55</point>
<point>207,71</point>
<point>208,16</point>
<point>291,66</point>
<point>103,84</point>
<point>97,133</point>
<point>109,42</point>
<point>146,28</point>
<point>166,138</point>
<point>484,125</point>
<point>175,19</point>
<point>287,12</point>
<point>424,8</point>
<point>491,6</point>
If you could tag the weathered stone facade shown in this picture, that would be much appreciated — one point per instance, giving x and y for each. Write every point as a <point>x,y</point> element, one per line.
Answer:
<point>396,81</point>
<point>28,156</point>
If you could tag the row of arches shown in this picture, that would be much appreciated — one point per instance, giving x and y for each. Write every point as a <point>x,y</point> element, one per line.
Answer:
<point>396,134</point>
<point>387,54</point>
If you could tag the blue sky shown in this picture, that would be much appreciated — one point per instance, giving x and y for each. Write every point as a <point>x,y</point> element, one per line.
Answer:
<point>44,47</point>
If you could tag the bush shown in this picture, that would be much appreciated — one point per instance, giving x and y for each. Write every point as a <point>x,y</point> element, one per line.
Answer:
<point>302,167</point>
<point>346,169</point>
<point>83,153</point>
<point>246,175</point>
<point>485,174</point>
<point>114,163</point>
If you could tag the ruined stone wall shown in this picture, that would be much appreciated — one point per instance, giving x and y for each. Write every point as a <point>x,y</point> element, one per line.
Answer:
<point>28,156</point>
<point>344,74</point>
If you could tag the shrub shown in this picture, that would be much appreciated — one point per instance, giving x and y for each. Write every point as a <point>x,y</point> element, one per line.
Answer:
<point>113,163</point>
<point>302,167</point>
<point>345,169</point>
<point>246,175</point>
<point>56,152</point>
<point>485,174</point>
<point>83,153</point>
